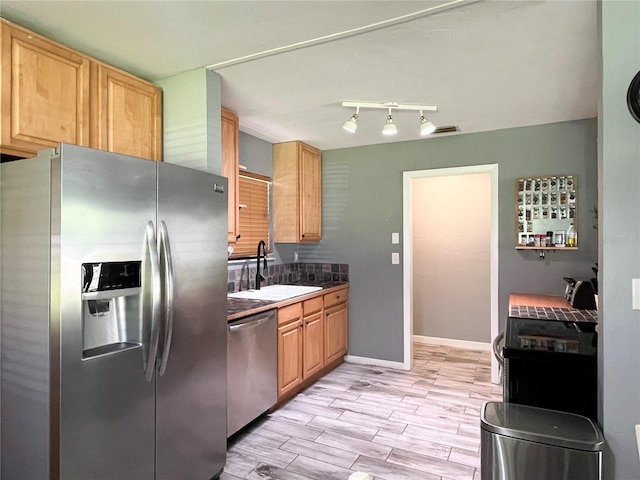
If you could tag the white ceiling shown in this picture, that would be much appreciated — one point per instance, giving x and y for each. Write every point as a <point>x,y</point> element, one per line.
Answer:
<point>487,65</point>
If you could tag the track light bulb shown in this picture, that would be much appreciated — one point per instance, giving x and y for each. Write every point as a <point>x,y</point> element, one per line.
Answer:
<point>351,125</point>
<point>389,127</point>
<point>426,127</point>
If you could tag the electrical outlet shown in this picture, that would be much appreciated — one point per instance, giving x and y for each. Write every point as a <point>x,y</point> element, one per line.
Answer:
<point>395,258</point>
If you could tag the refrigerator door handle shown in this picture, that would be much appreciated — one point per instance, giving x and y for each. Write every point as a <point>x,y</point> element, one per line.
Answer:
<point>156,287</point>
<point>165,252</point>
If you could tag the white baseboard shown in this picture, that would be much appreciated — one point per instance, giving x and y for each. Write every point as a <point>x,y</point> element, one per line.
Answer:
<point>374,362</point>
<point>418,339</point>
<point>449,342</point>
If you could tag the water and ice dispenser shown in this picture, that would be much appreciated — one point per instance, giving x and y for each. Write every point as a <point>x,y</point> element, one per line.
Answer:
<point>111,307</point>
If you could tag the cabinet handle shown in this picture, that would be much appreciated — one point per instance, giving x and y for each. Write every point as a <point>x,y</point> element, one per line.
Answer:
<point>303,235</point>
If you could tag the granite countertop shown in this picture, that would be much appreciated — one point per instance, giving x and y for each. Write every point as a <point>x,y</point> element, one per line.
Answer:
<point>548,307</point>
<point>242,307</point>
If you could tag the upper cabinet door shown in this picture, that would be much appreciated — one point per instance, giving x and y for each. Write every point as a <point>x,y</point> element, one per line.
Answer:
<point>126,113</point>
<point>230,165</point>
<point>297,193</point>
<point>310,194</point>
<point>45,93</point>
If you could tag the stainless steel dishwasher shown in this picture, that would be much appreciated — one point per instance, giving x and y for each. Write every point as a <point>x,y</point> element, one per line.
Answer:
<point>252,368</point>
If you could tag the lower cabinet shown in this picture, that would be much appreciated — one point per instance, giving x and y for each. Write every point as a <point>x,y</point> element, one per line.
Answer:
<point>289,348</point>
<point>336,325</point>
<point>312,339</point>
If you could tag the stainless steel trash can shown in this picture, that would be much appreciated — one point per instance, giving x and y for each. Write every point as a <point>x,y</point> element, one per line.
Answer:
<point>519,442</point>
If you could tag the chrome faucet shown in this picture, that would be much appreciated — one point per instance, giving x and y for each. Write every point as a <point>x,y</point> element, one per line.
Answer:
<point>259,276</point>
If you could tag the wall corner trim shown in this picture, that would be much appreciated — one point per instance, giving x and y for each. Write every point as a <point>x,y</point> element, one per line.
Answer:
<point>450,342</point>
<point>375,362</point>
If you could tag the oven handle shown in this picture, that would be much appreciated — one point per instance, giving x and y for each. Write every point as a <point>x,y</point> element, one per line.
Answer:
<point>253,323</point>
<point>530,354</point>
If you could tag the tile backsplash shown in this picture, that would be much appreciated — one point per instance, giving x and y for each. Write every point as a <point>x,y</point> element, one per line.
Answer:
<point>244,277</point>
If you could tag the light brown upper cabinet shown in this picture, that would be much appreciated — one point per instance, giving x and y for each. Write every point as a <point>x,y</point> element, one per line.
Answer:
<point>230,165</point>
<point>297,193</point>
<point>45,93</point>
<point>52,94</point>
<point>126,114</point>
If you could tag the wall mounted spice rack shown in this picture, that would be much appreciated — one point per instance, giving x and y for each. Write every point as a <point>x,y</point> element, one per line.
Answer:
<point>546,208</point>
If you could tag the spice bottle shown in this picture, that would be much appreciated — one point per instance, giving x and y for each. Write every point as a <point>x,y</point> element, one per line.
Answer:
<point>571,237</point>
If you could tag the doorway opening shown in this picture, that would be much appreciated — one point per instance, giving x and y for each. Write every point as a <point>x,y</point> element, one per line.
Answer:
<point>439,185</point>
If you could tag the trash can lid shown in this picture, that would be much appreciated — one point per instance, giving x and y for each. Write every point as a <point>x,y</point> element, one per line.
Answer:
<point>549,427</point>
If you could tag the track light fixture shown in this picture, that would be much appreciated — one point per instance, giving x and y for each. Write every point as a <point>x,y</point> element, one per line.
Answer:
<point>426,127</point>
<point>351,125</point>
<point>389,128</point>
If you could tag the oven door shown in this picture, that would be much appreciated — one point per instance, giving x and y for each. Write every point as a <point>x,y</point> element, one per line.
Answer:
<point>551,364</point>
<point>558,381</point>
<point>542,335</point>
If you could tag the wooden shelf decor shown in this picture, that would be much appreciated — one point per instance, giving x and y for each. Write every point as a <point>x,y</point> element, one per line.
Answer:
<point>546,207</point>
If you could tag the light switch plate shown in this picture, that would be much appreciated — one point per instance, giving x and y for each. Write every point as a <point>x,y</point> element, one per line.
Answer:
<point>395,237</point>
<point>395,258</point>
<point>635,293</point>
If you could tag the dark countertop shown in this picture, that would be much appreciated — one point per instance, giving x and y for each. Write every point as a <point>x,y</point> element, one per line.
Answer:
<point>563,314</point>
<point>547,307</point>
<point>242,307</point>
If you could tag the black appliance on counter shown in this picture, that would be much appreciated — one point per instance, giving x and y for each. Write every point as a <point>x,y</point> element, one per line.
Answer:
<point>580,293</point>
<point>550,362</point>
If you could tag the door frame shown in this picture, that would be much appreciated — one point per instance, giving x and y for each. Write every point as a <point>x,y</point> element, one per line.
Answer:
<point>407,290</point>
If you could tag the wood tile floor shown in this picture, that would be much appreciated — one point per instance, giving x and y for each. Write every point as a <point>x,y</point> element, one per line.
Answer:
<point>391,424</point>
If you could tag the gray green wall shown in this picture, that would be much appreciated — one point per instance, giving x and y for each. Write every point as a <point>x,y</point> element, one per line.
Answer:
<point>362,206</point>
<point>619,177</point>
<point>256,154</point>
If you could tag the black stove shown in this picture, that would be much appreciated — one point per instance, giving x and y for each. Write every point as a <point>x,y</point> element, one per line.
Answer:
<point>550,359</point>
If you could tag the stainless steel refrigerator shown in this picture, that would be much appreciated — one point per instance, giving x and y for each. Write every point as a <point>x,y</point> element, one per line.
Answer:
<point>113,318</point>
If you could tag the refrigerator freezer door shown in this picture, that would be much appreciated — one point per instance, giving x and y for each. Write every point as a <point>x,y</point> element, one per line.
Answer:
<point>191,393</point>
<point>24,331</point>
<point>106,420</point>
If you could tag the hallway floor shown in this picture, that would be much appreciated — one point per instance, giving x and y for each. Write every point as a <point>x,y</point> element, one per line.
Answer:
<point>391,424</point>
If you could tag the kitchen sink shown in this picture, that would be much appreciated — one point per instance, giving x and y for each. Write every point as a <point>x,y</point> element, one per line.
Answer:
<point>275,292</point>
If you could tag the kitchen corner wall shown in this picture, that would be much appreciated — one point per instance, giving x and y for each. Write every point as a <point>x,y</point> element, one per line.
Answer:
<point>362,206</point>
<point>619,177</point>
<point>191,120</point>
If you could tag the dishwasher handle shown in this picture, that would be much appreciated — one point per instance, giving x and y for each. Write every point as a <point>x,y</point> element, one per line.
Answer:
<point>252,323</point>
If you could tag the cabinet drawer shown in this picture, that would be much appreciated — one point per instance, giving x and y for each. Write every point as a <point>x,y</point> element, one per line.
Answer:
<point>289,313</point>
<point>339,296</point>
<point>311,306</point>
